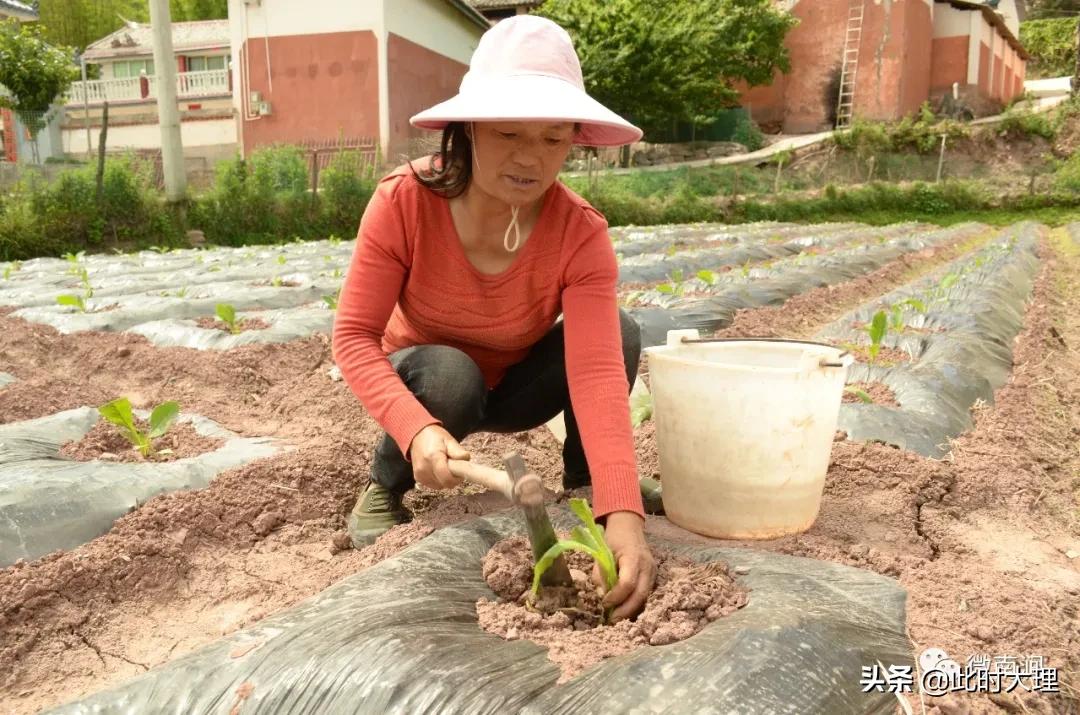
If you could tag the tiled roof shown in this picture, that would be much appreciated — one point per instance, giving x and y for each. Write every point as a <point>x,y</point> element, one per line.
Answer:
<point>18,9</point>
<point>503,4</point>
<point>137,39</point>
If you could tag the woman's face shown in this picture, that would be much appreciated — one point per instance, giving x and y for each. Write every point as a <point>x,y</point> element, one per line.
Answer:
<point>516,162</point>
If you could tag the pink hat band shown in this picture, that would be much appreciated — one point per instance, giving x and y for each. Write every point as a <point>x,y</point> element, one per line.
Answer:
<point>525,69</point>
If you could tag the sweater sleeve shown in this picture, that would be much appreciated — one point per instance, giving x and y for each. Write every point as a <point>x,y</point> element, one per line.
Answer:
<point>380,264</point>
<point>597,375</point>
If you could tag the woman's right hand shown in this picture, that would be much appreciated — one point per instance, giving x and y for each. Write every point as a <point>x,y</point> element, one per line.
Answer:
<point>429,452</point>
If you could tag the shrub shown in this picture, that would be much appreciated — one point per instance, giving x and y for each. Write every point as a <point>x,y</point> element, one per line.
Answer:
<point>345,188</point>
<point>1019,122</point>
<point>261,200</point>
<point>748,134</point>
<point>40,218</point>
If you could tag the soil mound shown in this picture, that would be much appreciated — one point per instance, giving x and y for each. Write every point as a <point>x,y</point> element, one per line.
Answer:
<point>569,622</point>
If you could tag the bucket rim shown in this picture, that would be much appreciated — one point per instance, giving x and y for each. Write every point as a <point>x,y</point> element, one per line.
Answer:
<point>666,352</point>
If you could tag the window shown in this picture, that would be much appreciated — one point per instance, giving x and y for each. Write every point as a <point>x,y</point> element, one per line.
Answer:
<point>132,68</point>
<point>205,64</point>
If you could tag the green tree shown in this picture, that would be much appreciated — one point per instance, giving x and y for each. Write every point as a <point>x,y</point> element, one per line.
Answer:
<point>1052,44</point>
<point>1042,9</point>
<point>189,10</point>
<point>34,72</point>
<point>678,60</point>
<point>80,22</point>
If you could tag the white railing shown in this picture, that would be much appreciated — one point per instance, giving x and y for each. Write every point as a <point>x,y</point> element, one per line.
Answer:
<point>188,85</point>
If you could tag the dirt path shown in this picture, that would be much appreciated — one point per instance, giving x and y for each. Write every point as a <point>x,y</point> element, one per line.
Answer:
<point>979,541</point>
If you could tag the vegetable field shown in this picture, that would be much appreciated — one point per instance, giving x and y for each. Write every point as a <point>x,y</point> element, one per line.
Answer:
<point>178,454</point>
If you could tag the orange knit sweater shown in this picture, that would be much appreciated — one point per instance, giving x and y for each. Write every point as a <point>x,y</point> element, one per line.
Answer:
<point>410,283</point>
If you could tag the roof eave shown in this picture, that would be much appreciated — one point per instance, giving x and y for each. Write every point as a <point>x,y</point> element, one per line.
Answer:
<point>472,13</point>
<point>994,19</point>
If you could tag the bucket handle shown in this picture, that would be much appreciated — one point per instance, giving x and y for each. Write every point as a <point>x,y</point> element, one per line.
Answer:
<point>822,363</point>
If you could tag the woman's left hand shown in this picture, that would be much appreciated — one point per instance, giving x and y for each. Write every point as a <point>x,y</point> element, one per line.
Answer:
<point>625,532</point>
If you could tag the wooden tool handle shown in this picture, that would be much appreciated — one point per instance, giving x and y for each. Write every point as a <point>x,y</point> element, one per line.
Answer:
<point>494,479</point>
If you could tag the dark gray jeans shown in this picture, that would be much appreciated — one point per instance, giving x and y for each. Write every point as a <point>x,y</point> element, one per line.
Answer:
<point>450,385</point>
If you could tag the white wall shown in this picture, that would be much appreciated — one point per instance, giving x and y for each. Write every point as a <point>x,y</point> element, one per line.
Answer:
<point>950,22</point>
<point>434,24</point>
<point>278,18</point>
<point>1007,9</point>
<point>210,132</point>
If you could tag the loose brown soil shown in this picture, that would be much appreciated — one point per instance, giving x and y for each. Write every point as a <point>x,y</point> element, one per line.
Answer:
<point>880,393</point>
<point>105,442</point>
<point>886,356</point>
<point>569,622</point>
<point>208,323</point>
<point>980,540</point>
<point>282,284</point>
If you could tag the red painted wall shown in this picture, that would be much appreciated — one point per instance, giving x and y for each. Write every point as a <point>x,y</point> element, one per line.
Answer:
<point>894,60</point>
<point>766,103</point>
<point>995,87</point>
<point>950,63</point>
<point>984,68</point>
<point>418,79</point>
<point>816,45</point>
<point>325,86</point>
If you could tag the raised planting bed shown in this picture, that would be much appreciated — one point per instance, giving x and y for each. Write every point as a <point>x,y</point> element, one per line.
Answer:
<point>661,266</point>
<point>967,314</point>
<point>732,292</point>
<point>139,292</point>
<point>404,636</point>
<point>49,500</point>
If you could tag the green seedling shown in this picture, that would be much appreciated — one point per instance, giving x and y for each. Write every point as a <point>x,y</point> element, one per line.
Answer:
<point>746,269</point>
<point>671,251</point>
<point>863,395</point>
<point>587,538</point>
<point>276,281</point>
<point>11,268</point>
<point>74,257</point>
<point>281,259</point>
<point>119,413</point>
<point>213,269</point>
<point>227,314</point>
<point>334,240</point>
<point>708,276</point>
<point>332,300</point>
<point>896,318</point>
<point>160,249</point>
<point>328,259</point>
<point>336,273</point>
<point>916,304</point>
<point>75,301</point>
<point>877,329</point>
<point>640,408</point>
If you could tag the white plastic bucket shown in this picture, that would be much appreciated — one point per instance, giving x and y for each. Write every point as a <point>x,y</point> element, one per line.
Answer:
<point>744,430</point>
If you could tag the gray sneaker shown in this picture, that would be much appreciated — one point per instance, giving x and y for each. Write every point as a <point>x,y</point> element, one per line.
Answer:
<point>377,510</point>
<point>651,495</point>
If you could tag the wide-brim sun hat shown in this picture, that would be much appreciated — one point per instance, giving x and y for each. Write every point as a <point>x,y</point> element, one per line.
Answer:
<point>525,69</point>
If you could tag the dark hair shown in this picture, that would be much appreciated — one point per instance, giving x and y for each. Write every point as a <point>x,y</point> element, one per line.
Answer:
<point>449,170</point>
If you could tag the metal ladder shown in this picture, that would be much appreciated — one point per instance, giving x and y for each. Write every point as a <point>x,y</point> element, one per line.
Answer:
<point>845,105</point>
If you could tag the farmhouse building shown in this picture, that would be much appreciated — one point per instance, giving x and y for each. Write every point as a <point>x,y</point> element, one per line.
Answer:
<point>346,71</point>
<point>891,56</point>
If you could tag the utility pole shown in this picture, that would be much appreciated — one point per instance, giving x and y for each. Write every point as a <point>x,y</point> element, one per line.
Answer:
<point>172,151</point>
<point>1076,72</point>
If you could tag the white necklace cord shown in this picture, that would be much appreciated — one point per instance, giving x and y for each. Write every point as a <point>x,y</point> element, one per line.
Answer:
<point>517,231</point>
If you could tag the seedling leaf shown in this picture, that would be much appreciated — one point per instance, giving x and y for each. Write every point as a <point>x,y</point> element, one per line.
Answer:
<point>72,300</point>
<point>707,276</point>
<point>640,408</point>
<point>877,330</point>
<point>227,313</point>
<point>587,538</point>
<point>863,395</point>
<point>162,418</point>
